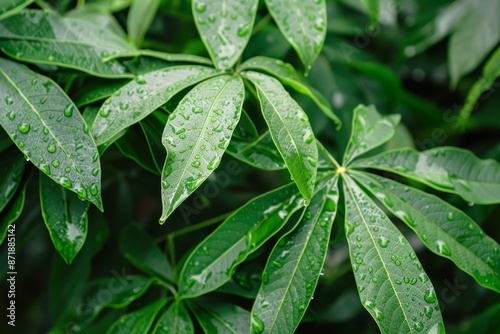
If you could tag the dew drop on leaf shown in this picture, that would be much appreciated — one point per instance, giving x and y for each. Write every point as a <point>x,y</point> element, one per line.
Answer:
<point>64,181</point>
<point>443,248</point>
<point>23,127</point>
<point>430,296</point>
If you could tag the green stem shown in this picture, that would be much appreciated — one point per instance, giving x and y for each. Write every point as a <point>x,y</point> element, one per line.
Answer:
<point>261,24</point>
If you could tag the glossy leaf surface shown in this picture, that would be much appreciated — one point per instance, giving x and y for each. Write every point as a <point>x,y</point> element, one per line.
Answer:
<point>290,130</point>
<point>448,169</point>
<point>140,16</point>
<point>139,321</point>
<point>142,96</point>
<point>10,7</point>
<point>11,171</point>
<point>392,285</point>
<point>261,153</point>
<point>12,212</point>
<point>175,320</point>
<point>225,28</point>
<point>196,136</point>
<point>48,128</point>
<point>294,266</point>
<point>170,57</point>
<point>223,319</point>
<point>214,260</point>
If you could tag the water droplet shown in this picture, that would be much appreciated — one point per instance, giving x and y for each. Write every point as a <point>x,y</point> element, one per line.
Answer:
<point>104,112</point>
<point>94,190</point>
<point>105,54</point>
<point>383,242</point>
<point>50,58</point>
<point>51,148</point>
<point>450,216</point>
<point>491,262</point>
<point>243,30</point>
<point>68,111</point>
<point>443,248</point>
<point>11,115</point>
<point>23,127</point>
<point>43,100</point>
<point>218,112</point>
<point>55,163</point>
<point>195,164</point>
<point>197,110</point>
<point>200,7</point>
<point>430,296</point>
<point>65,182</point>
<point>9,101</point>
<point>257,324</point>
<point>67,169</point>
<point>123,105</point>
<point>95,171</point>
<point>265,278</point>
<point>419,326</point>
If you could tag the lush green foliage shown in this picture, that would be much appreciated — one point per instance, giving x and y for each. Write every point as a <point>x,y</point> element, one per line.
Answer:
<point>105,133</point>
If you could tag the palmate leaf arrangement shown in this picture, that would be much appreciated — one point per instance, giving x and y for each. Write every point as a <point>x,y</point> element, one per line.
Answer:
<point>48,130</point>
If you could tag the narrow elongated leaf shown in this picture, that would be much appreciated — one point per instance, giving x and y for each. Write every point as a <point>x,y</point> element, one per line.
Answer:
<point>293,268</point>
<point>11,212</point>
<point>138,247</point>
<point>11,171</point>
<point>96,91</point>
<point>139,321</point>
<point>392,285</point>
<point>447,169</point>
<point>197,135</point>
<point>222,318</point>
<point>246,128</point>
<point>10,7</point>
<point>373,8</point>
<point>171,57</point>
<point>287,75</point>
<point>444,229</point>
<point>290,130</point>
<point>476,35</point>
<point>142,96</point>
<point>153,129</point>
<point>65,216</point>
<point>225,28</point>
<point>491,72</point>
<point>261,153</point>
<point>47,127</point>
<point>140,16</point>
<point>132,145</point>
<point>214,260</point>
<point>369,130</point>
<point>175,320</point>
<point>303,23</point>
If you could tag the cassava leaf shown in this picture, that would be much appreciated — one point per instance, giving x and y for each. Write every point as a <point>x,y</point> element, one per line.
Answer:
<point>222,318</point>
<point>12,211</point>
<point>170,57</point>
<point>10,7</point>
<point>214,260</point>
<point>444,229</point>
<point>287,75</point>
<point>293,268</point>
<point>48,128</point>
<point>96,91</point>
<point>290,130</point>
<point>369,130</point>
<point>449,169</point>
<point>196,136</point>
<point>65,216</point>
<point>373,8</point>
<point>82,44</point>
<point>142,96</point>
<point>392,285</point>
<point>140,16</point>
<point>225,28</point>
<point>11,171</point>
<point>139,321</point>
<point>303,23</point>
<point>175,320</point>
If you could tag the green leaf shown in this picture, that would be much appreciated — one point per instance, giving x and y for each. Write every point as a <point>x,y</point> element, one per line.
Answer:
<point>476,35</point>
<point>290,130</point>
<point>96,91</point>
<point>214,260</point>
<point>369,130</point>
<point>261,153</point>
<point>287,75</point>
<point>294,266</point>
<point>139,321</point>
<point>222,318</point>
<point>392,285</point>
<point>11,171</point>
<point>109,5</point>
<point>196,136</point>
<point>447,169</point>
<point>171,57</point>
<point>246,128</point>
<point>132,146</point>
<point>47,127</point>
<point>65,216</point>
<point>303,23</point>
<point>142,96</point>
<point>79,43</point>
<point>444,229</point>
<point>11,212</point>
<point>10,7</point>
<point>175,320</point>
<point>491,72</point>
<point>140,16</point>
<point>138,247</point>
<point>225,28</point>
<point>153,129</point>
<point>373,8</point>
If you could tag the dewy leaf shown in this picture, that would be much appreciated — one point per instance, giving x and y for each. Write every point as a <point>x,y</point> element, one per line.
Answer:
<point>11,171</point>
<point>171,57</point>
<point>287,75</point>
<point>42,37</point>
<point>139,321</point>
<point>476,35</point>
<point>175,320</point>
<point>48,128</point>
<point>225,28</point>
<point>222,318</point>
<point>392,285</point>
<point>213,261</point>
<point>303,23</point>
<point>447,169</point>
<point>290,130</point>
<point>140,16</point>
<point>261,153</point>
<point>294,266</point>
<point>12,211</point>
<point>196,136</point>
<point>96,91</point>
<point>142,96</point>
<point>369,130</point>
<point>65,216</point>
<point>138,247</point>
<point>444,229</point>
<point>10,7</point>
